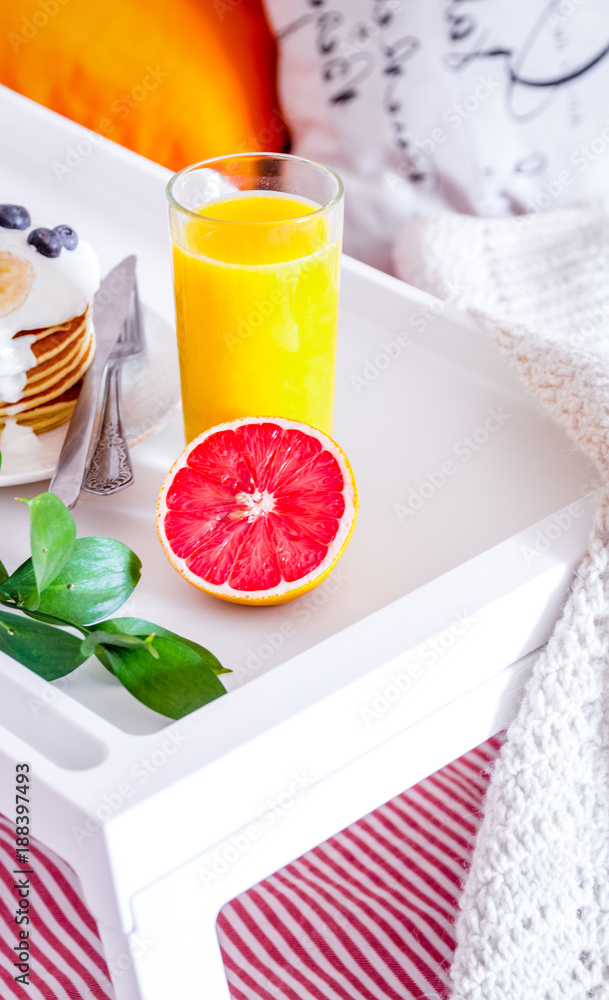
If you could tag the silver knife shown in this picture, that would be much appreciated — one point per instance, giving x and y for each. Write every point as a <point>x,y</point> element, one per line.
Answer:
<point>110,308</point>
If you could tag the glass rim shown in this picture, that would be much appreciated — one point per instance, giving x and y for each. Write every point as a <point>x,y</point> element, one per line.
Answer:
<point>175,204</point>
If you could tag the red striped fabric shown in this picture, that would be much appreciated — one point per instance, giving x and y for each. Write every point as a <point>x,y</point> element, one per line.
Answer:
<point>67,961</point>
<point>368,915</point>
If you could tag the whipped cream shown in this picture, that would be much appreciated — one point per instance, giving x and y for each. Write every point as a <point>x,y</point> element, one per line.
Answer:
<point>15,359</point>
<point>61,287</point>
<point>18,439</point>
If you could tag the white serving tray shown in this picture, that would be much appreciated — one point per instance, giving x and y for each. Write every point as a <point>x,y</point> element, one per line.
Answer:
<point>474,510</point>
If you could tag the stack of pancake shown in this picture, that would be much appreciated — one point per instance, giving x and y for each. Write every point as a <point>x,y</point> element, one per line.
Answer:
<point>48,278</point>
<point>63,353</point>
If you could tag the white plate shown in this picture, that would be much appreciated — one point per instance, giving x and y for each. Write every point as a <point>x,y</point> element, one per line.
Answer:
<point>151,395</point>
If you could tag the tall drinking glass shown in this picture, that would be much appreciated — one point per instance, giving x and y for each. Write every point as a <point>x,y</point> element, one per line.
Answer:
<point>256,241</point>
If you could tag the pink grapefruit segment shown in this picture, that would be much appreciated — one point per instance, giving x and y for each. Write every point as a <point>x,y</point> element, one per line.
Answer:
<point>257,510</point>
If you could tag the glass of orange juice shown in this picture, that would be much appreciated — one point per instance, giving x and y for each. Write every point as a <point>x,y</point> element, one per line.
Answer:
<point>256,240</point>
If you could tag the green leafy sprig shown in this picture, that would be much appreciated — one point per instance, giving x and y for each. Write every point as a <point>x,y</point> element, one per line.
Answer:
<point>74,583</point>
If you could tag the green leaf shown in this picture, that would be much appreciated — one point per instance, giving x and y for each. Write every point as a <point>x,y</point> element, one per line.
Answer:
<point>52,535</point>
<point>140,627</point>
<point>19,586</point>
<point>3,573</point>
<point>175,684</point>
<point>99,638</point>
<point>40,617</point>
<point>48,651</point>
<point>97,579</point>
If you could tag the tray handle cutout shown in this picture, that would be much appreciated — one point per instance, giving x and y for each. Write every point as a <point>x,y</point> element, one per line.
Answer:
<point>46,730</point>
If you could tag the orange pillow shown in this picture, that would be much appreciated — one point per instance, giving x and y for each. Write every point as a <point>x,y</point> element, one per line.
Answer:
<point>176,82</point>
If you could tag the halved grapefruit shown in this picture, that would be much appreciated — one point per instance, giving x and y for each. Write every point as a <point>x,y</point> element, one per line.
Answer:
<point>258,510</point>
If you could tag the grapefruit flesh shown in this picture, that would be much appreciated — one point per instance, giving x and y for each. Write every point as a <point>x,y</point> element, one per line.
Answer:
<point>258,510</point>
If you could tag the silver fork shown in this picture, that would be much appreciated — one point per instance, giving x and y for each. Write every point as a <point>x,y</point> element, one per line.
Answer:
<point>110,468</point>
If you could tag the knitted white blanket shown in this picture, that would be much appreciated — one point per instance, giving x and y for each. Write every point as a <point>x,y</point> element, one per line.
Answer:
<point>534,921</point>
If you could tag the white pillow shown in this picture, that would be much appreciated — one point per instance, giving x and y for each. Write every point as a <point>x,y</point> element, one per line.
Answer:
<point>486,107</point>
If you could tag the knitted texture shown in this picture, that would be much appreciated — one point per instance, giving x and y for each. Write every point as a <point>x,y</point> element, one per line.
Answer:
<point>534,920</point>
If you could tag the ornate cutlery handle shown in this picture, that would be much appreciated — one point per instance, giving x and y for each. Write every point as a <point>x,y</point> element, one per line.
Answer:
<point>110,469</point>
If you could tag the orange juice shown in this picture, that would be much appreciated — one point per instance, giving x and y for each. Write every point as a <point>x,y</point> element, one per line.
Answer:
<point>256,291</point>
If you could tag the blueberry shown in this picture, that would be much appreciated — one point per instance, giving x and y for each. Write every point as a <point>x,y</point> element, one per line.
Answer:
<point>68,236</point>
<point>45,241</point>
<point>14,217</point>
